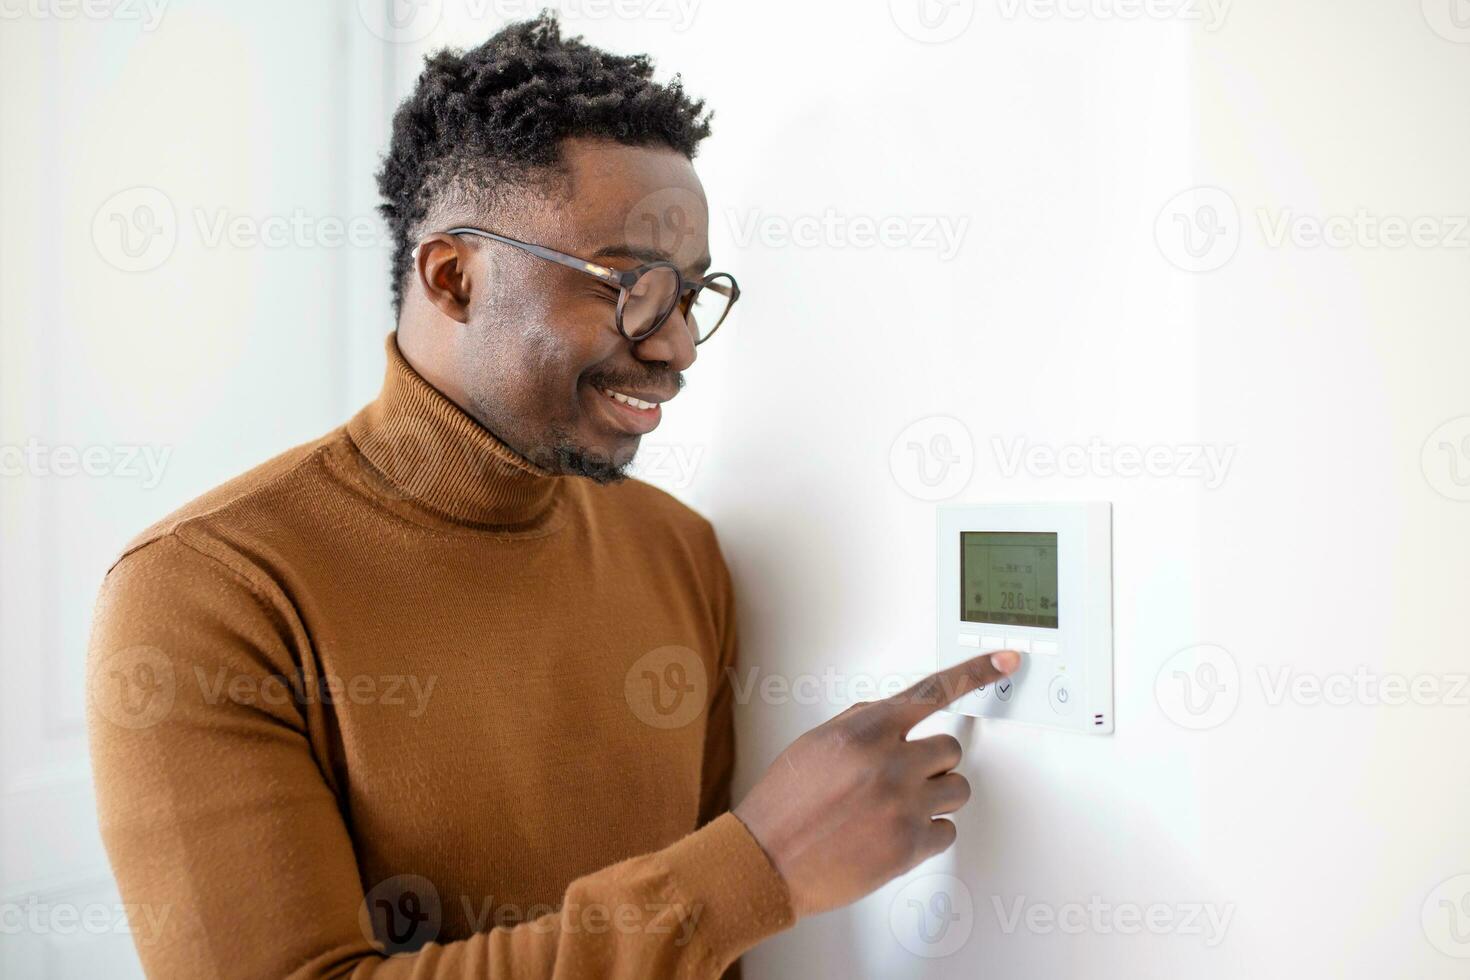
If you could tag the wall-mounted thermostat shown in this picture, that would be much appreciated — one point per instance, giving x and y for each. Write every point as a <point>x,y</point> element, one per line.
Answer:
<point>1037,578</point>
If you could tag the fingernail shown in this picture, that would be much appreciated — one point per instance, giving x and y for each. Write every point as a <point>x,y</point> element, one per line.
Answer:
<point>1005,661</point>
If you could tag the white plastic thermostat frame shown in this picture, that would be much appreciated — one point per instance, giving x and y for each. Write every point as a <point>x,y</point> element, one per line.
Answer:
<point>1068,683</point>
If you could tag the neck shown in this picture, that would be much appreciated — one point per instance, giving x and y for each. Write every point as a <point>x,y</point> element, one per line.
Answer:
<point>429,449</point>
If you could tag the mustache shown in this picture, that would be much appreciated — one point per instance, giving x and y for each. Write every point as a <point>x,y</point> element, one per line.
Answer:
<point>657,380</point>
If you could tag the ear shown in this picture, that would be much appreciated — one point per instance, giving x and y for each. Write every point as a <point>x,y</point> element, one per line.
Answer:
<point>443,266</point>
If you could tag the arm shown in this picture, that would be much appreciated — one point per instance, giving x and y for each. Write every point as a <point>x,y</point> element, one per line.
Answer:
<point>719,734</point>
<point>226,836</point>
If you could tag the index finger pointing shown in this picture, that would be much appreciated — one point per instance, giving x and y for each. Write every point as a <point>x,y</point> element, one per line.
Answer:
<point>937,690</point>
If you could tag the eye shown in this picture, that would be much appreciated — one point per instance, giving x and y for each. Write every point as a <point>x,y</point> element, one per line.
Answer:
<point>599,290</point>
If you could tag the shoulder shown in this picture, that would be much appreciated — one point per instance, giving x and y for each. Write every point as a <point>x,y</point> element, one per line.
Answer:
<point>260,492</point>
<point>200,571</point>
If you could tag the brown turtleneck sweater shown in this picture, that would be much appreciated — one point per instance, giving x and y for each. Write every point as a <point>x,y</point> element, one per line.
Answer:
<point>398,691</point>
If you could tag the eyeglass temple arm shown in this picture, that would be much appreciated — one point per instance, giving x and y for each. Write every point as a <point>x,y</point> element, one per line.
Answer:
<point>610,276</point>
<point>614,277</point>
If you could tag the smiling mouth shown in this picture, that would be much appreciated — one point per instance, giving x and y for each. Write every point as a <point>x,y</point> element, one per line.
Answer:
<point>629,414</point>
<point>629,400</point>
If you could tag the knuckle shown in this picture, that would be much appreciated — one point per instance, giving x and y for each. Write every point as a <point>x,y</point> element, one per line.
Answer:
<point>921,841</point>
<point>847,727</point>
<point>837,734</point>
<point>849,734</point>
<point>962,790</point>
<point>894,774</point>
<point>866,728</point>
<point>908,840</point>
<point>951,746</point>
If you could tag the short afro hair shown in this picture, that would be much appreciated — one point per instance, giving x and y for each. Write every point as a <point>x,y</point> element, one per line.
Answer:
<point>483,121</point>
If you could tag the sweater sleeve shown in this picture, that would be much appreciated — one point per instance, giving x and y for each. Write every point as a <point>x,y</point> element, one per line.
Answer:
<point>230,848</point>
<point>719,737</point>
<point>718,770</point>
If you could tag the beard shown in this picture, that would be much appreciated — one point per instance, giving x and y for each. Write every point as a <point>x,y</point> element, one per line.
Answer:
<point>557,450</point>
<point>594,465</point>
<point>563,455</point>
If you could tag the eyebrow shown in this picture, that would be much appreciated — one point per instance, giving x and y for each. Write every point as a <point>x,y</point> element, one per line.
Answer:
<point>640,254</point>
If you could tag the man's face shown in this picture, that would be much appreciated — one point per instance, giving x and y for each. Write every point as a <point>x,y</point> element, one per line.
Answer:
<point>540,349</point>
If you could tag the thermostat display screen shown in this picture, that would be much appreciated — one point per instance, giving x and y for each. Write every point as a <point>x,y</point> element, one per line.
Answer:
<point>1008,578</point>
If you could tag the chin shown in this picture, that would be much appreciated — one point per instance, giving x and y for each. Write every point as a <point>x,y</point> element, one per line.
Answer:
<point>597,461</point>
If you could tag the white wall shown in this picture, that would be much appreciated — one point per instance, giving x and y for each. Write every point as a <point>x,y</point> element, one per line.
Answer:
<point>170,305</point>
<point>1052,146</point>
<point>1324,831</point>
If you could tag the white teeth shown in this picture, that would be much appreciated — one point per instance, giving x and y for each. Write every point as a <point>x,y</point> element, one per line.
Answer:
<point>618,396</point>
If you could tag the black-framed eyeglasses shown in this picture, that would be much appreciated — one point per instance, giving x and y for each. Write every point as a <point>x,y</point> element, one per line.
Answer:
<point>647,295</point>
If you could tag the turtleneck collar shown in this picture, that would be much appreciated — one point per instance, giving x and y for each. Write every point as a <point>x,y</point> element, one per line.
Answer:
<point>431,452</point>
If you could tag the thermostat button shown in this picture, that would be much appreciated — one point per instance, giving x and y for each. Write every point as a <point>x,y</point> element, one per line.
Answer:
<point>982,692</point>
<point>1004,688</point>
<point>1018,643</point>
<point>988,643</point>
<point>969,640</point>
<point>1061,695</point>
<point>1044,647</point>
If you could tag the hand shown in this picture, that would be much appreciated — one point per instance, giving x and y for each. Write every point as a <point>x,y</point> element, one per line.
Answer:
<point>853,803</point>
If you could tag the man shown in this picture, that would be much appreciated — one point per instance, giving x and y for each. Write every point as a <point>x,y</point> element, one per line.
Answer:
<point>409,699</point>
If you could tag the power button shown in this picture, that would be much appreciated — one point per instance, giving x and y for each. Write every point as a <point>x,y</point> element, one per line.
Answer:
<point>1061,695</point>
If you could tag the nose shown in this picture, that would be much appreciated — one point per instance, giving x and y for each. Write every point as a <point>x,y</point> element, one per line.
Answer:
<point>671,344</point>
